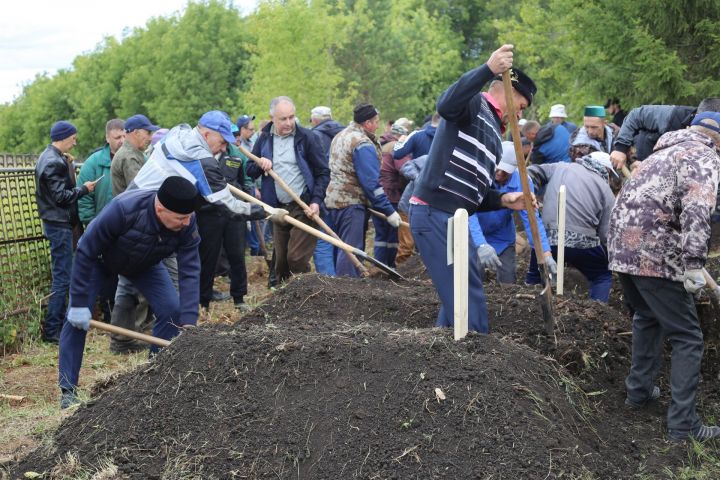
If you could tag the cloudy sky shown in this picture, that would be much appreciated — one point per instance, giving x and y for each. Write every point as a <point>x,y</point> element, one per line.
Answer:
<point>39,36</point>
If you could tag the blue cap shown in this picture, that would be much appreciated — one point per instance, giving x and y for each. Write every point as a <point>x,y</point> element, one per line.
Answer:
<point>219,122</point>
<point>244,120</point>
<point>139,121</point>
<point>709,120</point>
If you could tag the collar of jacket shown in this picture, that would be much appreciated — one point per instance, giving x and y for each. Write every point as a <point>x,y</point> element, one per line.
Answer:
<point>358,128</point>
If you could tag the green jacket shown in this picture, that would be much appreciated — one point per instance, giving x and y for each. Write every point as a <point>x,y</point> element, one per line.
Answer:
<point>96,165</point>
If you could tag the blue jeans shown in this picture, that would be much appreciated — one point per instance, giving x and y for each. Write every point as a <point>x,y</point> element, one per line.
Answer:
<point>61,255</point>
<point>592,263</point>
<point>324,255</point>
<point>350,224</point>
<point>155,284</point>
<point>386,241</point>
<point>429,230</point>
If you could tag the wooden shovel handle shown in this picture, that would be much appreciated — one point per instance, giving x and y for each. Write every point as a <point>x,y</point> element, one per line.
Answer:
<point>384,217</point>
<point>303,205</point>
<point>160,342</point>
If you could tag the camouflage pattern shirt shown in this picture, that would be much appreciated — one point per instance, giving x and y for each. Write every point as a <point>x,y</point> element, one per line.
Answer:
<point>660,225</point>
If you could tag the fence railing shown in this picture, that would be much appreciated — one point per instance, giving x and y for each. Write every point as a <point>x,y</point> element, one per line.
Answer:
<point>24,252</point>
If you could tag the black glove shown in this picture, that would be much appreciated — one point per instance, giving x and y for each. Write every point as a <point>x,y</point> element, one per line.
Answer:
<point>257,212</point>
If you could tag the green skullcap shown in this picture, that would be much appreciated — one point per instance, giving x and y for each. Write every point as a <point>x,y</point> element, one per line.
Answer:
<point>595,111</point>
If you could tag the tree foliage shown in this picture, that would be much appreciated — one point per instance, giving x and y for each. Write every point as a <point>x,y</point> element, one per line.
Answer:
<point>399,55</point>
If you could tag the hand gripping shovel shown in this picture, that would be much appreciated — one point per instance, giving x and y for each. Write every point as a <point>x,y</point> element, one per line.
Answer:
<point>384,217</point>
<point>304,206</point>
<point>714,289</point>
<point>545,297</point>
<point>331,240</point>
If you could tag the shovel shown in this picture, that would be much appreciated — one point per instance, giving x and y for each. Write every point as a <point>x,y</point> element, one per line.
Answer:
<point>384,217</point>
<point>307,228</point>
<point>160,342</point>
<point>714,289</point>
<point>545,297</point>
<point>304,206</point>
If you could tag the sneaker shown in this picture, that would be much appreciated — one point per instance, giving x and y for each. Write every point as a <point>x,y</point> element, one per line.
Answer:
<point>653,396</point>
<point>702,434</point>
<point>68,399</point>
<point>218,296</point>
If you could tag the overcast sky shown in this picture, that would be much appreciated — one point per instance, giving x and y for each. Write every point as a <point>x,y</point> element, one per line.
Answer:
<point>43,36</point>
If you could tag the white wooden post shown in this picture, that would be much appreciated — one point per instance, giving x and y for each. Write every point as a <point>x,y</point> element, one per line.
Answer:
<point>561,241</point>
<point>460,239</point>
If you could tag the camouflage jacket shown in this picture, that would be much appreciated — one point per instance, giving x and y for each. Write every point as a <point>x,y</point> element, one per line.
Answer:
<point>660,225</point>
<point>345,188</point>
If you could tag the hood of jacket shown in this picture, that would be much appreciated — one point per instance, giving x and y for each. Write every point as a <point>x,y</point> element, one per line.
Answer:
<point>329,127</point>
<point>679,136</point>
<point>186,143</point>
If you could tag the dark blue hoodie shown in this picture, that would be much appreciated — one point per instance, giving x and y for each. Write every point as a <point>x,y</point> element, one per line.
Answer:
<point>417,144</point>
<point>325,132</point>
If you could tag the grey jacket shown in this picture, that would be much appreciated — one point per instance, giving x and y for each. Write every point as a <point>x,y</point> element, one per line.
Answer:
<point>411,170</point>
<point>589,199</point>
<point>644,125</point>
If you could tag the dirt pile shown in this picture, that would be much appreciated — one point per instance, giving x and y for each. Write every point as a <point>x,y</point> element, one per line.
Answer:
<point>342,378</point>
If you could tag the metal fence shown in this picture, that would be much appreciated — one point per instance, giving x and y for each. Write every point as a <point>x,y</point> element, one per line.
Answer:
<point>24,252</point>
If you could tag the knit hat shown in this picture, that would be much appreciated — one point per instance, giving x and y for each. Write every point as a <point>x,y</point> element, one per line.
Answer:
<point>595,111</point>
<point>522,83</point>
<point>508,162</point>
<point>558,111</point>
<point>710,120</point>
<point>61,130</point>
<point>364,112</point>
<point>178,195</point>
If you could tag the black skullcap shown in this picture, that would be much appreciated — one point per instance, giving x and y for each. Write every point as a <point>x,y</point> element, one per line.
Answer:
<point>364,112</point>
<point>178,195</point>
<point>522,83</point>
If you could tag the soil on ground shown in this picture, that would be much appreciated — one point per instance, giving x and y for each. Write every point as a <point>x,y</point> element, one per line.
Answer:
<point>336,378</point>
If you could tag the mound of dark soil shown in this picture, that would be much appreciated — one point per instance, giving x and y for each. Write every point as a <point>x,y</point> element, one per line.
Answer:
<point>342,378</point>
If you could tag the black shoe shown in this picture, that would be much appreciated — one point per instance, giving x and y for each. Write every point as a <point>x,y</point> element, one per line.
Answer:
<point>50,338</point>
<point>127,347</point>
<point>68,398</point>
<point>653,396</point>
<point>218,296</point>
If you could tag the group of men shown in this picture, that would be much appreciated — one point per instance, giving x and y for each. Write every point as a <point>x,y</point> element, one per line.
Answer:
<point>162,237</point>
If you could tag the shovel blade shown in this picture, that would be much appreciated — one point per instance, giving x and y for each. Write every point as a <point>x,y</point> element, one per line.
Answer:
<point>389,270</point>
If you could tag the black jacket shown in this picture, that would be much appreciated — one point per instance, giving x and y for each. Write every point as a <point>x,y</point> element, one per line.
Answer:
<point>55,191</point>
<point>644,125</point>
<point>325,132</point>
<point>229,169</point>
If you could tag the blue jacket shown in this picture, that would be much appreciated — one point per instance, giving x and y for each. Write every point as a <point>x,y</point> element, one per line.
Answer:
<point>497,227</point>
<point>325,132</point>
<point>311,160</point>
<point>417,144</point>
<point>127,238</point>
<point>551,145</point>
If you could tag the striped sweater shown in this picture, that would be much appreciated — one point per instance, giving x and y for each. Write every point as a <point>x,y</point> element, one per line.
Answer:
<point>467,146</point>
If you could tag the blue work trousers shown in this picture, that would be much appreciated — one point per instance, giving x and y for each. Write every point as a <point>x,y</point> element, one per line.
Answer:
<point>429,230</point>
<point>61,257</point>
<point>592,263</point>
<point>154,283</point>
<point>386,240</point>
<point>324,254</point>
<point>350,225</point>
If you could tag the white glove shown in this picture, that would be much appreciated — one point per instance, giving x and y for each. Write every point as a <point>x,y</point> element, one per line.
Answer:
<point>551,265</point>
<point>278,216</point>
<point>394,220</point>
<point>693,280</point>
<point>79,317</point>
<point>487,257</point>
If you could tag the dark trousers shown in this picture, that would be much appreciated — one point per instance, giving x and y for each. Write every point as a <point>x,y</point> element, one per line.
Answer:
<point>664,309</point>
<point>429,229</point>
<point>293,247</point>
<point>505,272</point>
<point>350,224</point>
<point>386,240</point>
<point>154,283</point>
<point>217,231</point>
<point>592,263</point>
<point>61,257</point>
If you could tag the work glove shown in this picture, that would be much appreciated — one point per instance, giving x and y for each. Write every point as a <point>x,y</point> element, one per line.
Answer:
<point>278,216</point>
<point>487,257</point>
<point>693,280</point>
<point>79,317</point>
<point>551,265</point>
<point>394,220</point>
<point>257,212</point>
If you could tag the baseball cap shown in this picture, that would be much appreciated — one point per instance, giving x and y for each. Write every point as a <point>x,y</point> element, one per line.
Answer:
<point>219,122</point>
<point>709,120</point>
<point>244,120</point>
<point>508,162</point>
<point>140,121</point>
<point>321,111</point>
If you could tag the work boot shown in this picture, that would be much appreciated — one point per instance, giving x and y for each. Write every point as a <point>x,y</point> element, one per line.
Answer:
<point>68,398</point>
<point>653,396</point>
<point>702,434</point>
<point>218,296</point>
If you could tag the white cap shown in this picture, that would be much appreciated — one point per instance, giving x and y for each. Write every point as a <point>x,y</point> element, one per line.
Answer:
<point>508,162</point>
<point>522,122</point>
<point>558,111</point>
<point>603,159</point>
<point>321,111</point>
